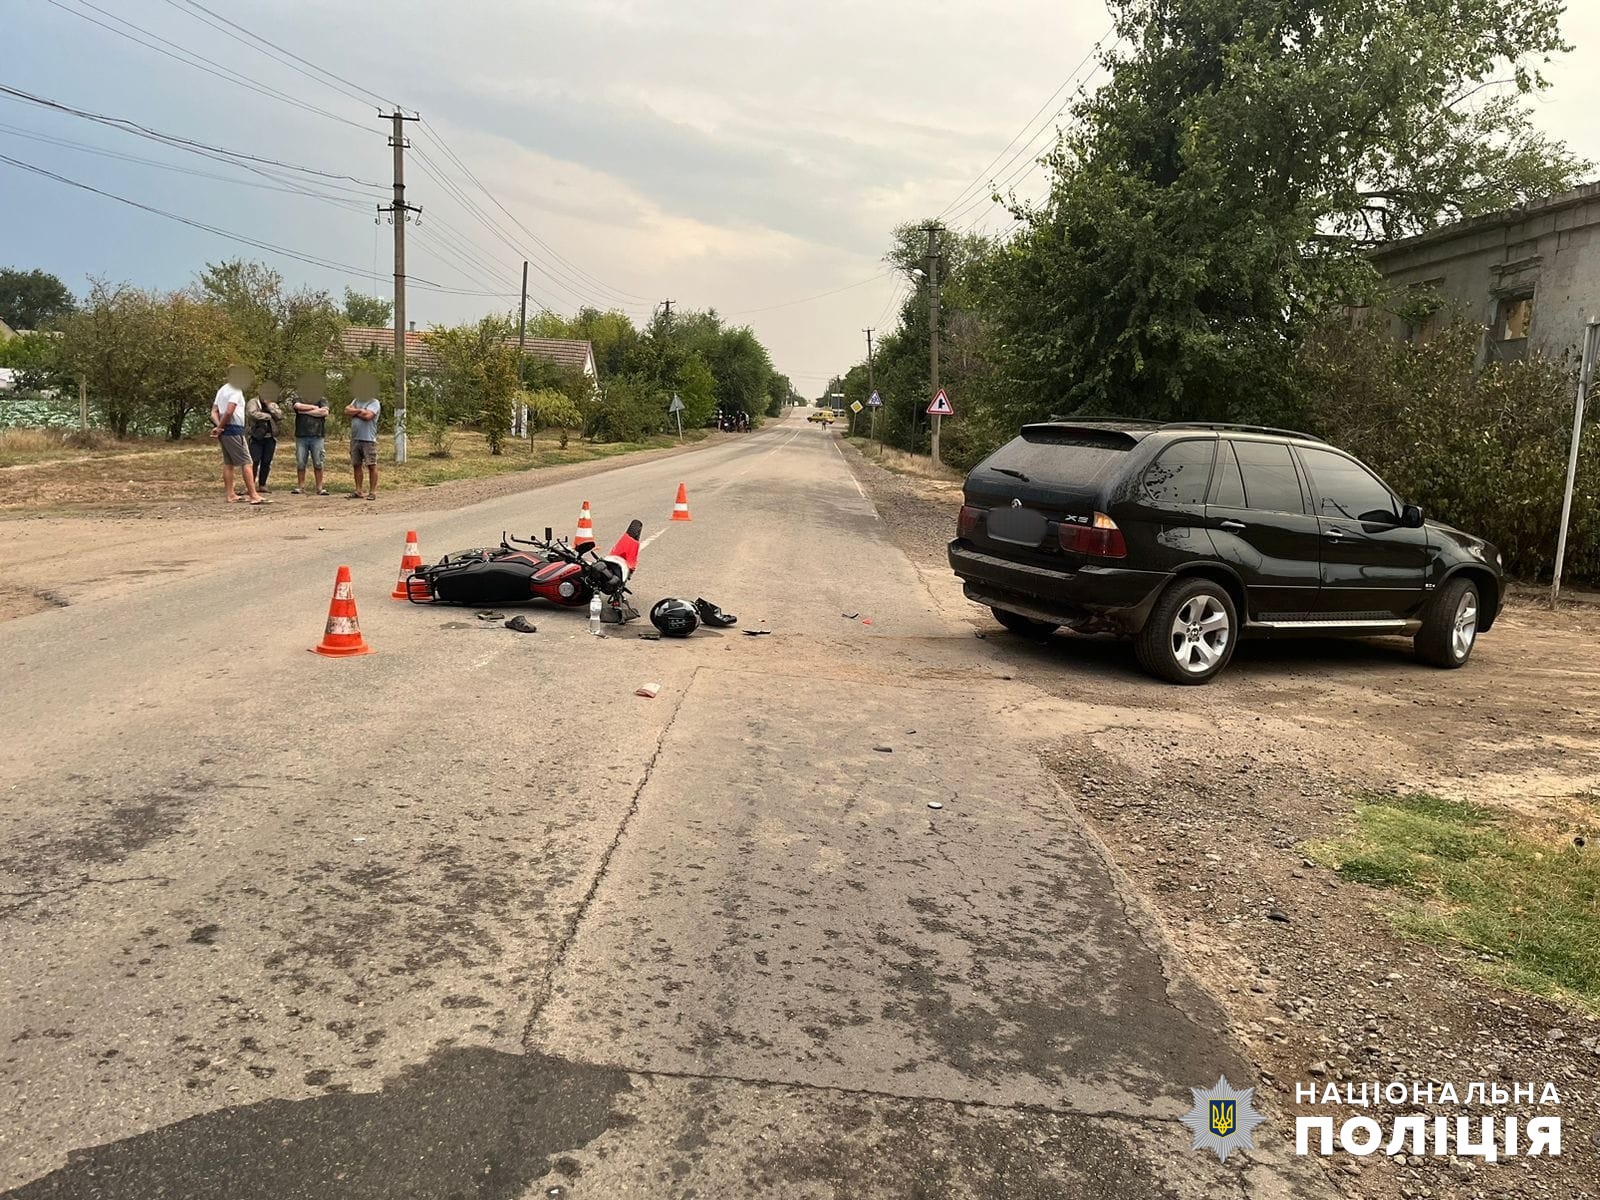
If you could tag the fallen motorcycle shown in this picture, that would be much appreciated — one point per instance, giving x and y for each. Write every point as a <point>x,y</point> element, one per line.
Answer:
<point>519,571</point>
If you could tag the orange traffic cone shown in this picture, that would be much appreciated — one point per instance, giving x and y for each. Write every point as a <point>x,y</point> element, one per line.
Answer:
<point>410,561</point>
<point>680,510</point>
<point>342,638</point>
<point>585,532</point>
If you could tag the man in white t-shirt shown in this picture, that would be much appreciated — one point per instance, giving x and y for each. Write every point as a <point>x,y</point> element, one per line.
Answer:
<point>227,426</point>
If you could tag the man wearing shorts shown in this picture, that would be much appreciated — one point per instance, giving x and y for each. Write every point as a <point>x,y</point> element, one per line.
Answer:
<point>310,431</point>
<point>227,426</point>
<point>363,413</point>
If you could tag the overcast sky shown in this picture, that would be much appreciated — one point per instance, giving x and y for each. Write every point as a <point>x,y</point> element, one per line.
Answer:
<point>740,156</point>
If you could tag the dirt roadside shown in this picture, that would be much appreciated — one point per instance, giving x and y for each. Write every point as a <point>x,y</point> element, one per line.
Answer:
<point>1206,798</point>
<point>55,560</point>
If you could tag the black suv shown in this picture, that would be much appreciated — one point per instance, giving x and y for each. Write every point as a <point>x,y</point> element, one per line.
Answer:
<point>1187,537</point>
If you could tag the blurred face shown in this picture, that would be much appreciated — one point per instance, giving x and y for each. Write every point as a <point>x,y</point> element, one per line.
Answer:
<point>240,377</point>
<point>270,392</point>
<point>312,388</point>
<point>364,387</point>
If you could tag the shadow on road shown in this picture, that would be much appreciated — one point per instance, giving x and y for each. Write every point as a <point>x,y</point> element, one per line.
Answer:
<point>472,1123</point>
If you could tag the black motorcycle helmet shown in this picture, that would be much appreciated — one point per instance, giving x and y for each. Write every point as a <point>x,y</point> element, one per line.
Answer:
<point>674,617</point>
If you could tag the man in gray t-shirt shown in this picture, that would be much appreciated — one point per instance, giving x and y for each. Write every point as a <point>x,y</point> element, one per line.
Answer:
<point>363,412</point>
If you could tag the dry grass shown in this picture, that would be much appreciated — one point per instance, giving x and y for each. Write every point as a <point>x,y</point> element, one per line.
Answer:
<point>60,479</point>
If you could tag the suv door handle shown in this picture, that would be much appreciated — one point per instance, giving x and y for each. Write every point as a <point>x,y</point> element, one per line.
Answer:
<point>1335,534</point>
<point>1233,526</point>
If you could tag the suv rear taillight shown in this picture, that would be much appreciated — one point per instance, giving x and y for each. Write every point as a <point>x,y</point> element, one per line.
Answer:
<point>967,522</point>
<point>1100,539</point>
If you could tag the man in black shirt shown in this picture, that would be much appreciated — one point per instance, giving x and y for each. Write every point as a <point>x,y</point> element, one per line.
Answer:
<point>310,430</point>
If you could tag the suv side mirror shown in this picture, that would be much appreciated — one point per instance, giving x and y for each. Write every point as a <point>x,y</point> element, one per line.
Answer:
<point>1411,517</point>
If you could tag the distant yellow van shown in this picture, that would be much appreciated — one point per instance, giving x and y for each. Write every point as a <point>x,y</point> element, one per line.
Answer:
<point>822,416</point>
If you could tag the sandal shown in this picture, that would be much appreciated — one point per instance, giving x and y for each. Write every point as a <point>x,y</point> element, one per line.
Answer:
<point>294,491</point>
<point>324,492</point>
<point>353,496</point>
<point>372,495</point>
<point>258,502</point>
<point>714,616</point>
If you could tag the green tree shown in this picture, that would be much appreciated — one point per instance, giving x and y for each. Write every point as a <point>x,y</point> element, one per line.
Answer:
<point>282,334</point>
<point>33,299</point>
<point>37,359</point>
<point>370,312</point>
<point>150,360</point>
<point>1216,197</point>
<point>479,374</point>
<point>554,410</point>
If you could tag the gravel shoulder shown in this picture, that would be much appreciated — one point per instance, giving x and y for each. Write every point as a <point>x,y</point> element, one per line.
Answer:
<point>1207,798</point>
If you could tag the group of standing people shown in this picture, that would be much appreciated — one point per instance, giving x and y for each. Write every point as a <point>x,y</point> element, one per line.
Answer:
<point>247,431</point>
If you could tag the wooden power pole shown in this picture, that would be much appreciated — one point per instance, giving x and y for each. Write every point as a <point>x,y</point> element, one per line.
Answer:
<point>522,429</point>
<point>399,213</point>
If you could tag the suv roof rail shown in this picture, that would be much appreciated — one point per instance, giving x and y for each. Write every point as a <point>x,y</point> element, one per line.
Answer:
<point>1230,426</point>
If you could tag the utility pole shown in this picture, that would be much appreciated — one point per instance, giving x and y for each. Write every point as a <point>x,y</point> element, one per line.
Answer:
<point>1585,378</point>
<point>933,230</point>
<point>872,390</point>
<point>522,429</point>
<point>399,213</point>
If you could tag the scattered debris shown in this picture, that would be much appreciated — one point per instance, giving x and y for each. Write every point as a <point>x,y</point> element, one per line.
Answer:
<point>757,632</point>
<point>884,749</point>
<point>491,616</point>
<point>935,804</point>
<point>649,691</point>
<point>866,620</point>
<point>522,625</point>
<point>649,637</point>
<point>1278,915</point>
<point>849,616</point>
<point>714,616</point>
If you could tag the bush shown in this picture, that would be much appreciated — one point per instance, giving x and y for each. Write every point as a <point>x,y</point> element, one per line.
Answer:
<point>1485,449</point>
<point>553,409</point>
<point>630,411</point>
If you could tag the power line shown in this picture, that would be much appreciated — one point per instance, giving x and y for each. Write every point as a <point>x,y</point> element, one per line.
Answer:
<point>577,270</point>
<point>807,299</point>
<point>315,260</point>
<point>178,142</point>
<point>178,54</point>
<point>270,48</point>
<point>286,187</point>
<point>1026,125</point>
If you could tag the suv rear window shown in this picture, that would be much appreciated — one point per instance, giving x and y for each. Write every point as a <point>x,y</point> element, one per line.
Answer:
<point>1181,474</point>
<point>1061,455</point>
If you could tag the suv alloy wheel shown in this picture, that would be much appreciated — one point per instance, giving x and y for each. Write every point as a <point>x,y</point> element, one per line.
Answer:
<point>1450,629</point>
<point>1191,632</point>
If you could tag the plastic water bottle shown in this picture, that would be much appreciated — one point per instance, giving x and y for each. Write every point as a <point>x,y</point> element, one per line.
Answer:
<point>594,614</point>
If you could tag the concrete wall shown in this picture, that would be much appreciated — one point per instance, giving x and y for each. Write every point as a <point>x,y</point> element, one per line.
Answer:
<point>1550,248</point>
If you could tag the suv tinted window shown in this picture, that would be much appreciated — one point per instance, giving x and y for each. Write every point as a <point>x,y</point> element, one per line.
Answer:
<point>1065,457</point>
<point>1182,473</point>
<point>1229,489</point>
<point>1270,481</point>
<point>1347,489</point>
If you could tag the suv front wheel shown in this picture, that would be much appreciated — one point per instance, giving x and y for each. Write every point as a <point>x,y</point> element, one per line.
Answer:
<point>1450,628</point>
<point>1190,634</point>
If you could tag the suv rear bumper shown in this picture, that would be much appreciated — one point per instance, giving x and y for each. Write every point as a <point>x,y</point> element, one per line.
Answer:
<point>1116,596</point>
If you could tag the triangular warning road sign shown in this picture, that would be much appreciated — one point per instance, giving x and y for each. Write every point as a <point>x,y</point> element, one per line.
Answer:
<point>873,401</point>
<point>941,405</point>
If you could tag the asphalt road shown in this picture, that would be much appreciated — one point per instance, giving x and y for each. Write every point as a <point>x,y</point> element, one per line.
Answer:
<point>467,918</point>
